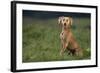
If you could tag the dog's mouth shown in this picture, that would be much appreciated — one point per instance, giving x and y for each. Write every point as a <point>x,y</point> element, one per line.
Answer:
<point>65,27</point>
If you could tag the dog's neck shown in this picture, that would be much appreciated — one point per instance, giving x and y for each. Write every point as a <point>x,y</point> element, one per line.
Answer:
<point>66,29</point>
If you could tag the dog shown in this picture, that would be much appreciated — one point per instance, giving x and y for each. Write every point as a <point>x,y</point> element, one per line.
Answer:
<point>67,39</point>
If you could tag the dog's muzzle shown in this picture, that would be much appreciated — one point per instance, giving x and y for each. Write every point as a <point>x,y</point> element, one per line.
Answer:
<point>64,24</point>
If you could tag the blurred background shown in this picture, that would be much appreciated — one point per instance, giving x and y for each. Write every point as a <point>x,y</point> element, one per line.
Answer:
<point>41,32</point>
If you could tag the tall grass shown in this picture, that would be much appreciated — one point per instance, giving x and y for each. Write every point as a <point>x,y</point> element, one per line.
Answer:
<point>41,40</point>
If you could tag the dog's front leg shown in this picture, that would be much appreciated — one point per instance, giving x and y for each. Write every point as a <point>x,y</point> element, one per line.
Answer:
<point>64,42</point>
<point>64,46</point>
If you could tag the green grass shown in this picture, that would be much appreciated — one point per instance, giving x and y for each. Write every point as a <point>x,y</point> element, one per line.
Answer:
<point>41,40</point>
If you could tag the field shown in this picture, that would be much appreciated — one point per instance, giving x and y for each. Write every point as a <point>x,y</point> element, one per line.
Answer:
<point>41,40</point>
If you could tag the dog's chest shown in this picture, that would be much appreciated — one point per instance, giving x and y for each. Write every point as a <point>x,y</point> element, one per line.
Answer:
<point>63,35</point>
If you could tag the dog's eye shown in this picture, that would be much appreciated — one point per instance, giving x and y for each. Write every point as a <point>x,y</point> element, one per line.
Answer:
<point>67,20</point>
<point>63,19</point>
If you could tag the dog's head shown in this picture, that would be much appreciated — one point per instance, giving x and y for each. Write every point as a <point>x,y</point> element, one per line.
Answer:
<point>65,22</point>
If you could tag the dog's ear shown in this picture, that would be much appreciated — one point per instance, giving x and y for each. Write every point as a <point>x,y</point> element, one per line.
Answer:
<point>60,19</point>
<point>71,21</point>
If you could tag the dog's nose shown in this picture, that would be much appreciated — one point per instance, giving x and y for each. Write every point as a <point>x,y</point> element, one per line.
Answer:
<point>64,24</point>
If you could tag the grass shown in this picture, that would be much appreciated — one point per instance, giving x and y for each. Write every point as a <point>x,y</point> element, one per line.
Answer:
<point>41,40</point>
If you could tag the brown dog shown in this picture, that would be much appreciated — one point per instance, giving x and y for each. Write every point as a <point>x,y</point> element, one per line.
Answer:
<point>67,39</point>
